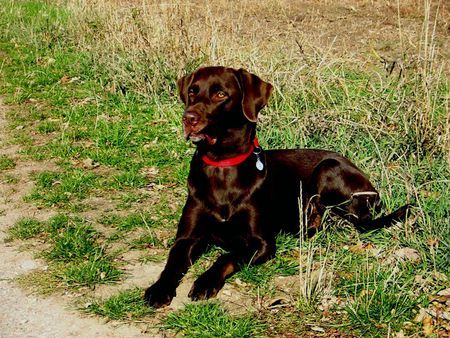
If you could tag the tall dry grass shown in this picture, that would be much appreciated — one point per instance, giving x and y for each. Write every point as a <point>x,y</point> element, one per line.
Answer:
<point>300,47</point>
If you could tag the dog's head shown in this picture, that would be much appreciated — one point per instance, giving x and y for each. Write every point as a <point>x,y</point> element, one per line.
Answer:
<point>219,99</point>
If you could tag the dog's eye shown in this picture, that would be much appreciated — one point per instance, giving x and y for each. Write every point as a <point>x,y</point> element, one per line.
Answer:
<point>220,94</point>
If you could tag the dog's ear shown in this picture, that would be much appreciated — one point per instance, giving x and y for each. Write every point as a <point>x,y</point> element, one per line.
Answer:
<point>255,94</point>
<point>183,85</point>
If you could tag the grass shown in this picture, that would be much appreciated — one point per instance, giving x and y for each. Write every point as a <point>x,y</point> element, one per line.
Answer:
<point>96,270</point>
<point>285,263</point>
<point>126,305</point>
<point>76,241</point>
<point>6,163</point>
<point>53,188</point>
<point>93,89</point>
<point>208,319</point>
<point>26,228</point>
<point>376,298</point>
<point>76,256</point>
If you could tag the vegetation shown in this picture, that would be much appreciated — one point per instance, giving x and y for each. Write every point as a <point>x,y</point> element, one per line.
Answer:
<point>92,87</point>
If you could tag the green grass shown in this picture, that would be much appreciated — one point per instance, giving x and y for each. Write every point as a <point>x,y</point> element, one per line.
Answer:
<point>26,228</point>
<point>126,305</point>
<point>128,222</point>
<point>6,163</point>
<point>76,256</point>
<point>147,240</point>
<point>72,101</point>
<point>58,189</point>
<point>75,241</point>
<point>209,319</point>
<point>95,270</point>
<point>9,179</point>
<point>377,298</point>
<point>285,263</point>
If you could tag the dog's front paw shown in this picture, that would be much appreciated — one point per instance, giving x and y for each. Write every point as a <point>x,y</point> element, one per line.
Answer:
<point>205,287</point>
<point>159,295</point>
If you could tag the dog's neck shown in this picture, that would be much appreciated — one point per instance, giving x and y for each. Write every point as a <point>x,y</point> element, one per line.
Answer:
<point>234,142</point>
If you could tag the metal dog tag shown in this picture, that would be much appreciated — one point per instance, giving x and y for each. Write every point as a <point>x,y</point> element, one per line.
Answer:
<point>259,164</point>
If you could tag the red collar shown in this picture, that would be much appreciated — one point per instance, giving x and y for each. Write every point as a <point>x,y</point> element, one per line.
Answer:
<point>229,162</point>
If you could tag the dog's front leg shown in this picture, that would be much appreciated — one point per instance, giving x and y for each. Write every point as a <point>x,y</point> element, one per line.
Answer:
<point>183,253</point>
<point>188,247</point>
<point>254,251</point>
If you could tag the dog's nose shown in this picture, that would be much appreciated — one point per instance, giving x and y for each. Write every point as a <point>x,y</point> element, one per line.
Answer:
<point>191,118</point>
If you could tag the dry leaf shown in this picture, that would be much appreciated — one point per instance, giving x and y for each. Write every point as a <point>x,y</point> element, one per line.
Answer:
<point>444,293</point>
<point>427,323</point>
<point>65,79</point>
<point>399,334</point>
<point>421,315</point>
<point>432,241</point>
<point>317,328</point>
<point>89,163</point>
<point>150,172</point>
<point>405,255</point>
<point>361,247</point>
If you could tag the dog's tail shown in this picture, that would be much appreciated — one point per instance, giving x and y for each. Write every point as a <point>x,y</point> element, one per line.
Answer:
<point>384,221</point>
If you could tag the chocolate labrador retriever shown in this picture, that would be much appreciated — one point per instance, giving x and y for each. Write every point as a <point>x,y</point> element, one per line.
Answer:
<point>240,196</point>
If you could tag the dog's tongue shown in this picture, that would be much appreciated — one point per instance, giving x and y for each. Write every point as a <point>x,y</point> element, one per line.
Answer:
<point>210,140</point>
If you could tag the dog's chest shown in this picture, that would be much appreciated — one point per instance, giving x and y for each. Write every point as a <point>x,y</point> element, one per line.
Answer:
<point>223,191</point>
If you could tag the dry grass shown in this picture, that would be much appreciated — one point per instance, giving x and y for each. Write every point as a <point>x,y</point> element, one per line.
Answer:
<point>293,44</point>
<point>365,78</point>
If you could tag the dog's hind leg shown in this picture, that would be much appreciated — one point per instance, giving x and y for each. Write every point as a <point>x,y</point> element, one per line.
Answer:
<point>349,194</point>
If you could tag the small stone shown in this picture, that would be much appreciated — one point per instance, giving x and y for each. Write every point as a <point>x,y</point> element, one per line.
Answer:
<point>226,293</point>
<point>29,265</point>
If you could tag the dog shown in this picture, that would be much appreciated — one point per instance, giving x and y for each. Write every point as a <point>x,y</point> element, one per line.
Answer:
<point>239,196</point>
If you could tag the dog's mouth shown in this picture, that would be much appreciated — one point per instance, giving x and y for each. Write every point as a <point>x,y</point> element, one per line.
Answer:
<point>197,134</point>
<point>200,137</point>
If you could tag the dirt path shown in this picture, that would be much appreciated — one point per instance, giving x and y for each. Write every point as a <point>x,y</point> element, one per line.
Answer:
<point>27,315</point>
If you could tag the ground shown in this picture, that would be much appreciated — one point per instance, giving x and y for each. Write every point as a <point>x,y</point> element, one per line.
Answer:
<point>93,165</point>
